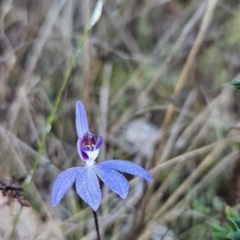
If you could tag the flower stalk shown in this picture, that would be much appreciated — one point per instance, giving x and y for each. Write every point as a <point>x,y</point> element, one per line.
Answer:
<point>96,224</point>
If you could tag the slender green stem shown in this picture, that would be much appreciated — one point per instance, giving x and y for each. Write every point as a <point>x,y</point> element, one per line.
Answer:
<point>49,123</point>
<point>96,224</point>
<point>56,104</point>
<point>95,17</point>
<point>15,221</point>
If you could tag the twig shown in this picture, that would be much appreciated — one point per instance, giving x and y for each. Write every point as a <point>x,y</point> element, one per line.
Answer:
<point>14,191</point>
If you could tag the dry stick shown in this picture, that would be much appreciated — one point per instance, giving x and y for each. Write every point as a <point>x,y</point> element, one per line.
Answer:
<point>14,191</point>
<point>8,186</point>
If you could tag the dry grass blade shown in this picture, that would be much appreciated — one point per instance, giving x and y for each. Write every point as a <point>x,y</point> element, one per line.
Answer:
<point>226,162</point>
<point>44,33</point>
<point>177,128</point>
<point>190,60</point>
<point>205,164</point>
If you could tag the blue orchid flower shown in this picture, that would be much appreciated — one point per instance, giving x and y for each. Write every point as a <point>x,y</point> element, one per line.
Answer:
<point>86,177</point>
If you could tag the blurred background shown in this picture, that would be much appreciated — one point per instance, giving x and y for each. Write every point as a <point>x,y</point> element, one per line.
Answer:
<point>154,77</point>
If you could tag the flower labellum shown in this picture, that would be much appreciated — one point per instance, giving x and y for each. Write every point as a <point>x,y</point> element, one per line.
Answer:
<point>86,177</point>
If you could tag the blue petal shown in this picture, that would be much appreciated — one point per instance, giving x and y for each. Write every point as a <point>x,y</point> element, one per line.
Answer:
<point>99,142</point>
<point>81,120</point>
<point>81,153</point>
<point>127,167</point>
<point>88,188</point>
<point>62,184</point>
<point>114,180</point>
